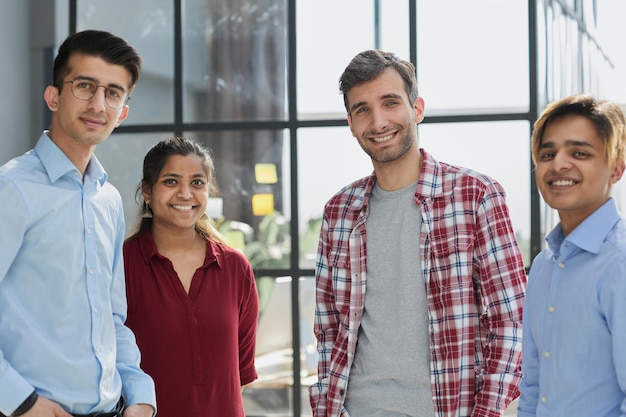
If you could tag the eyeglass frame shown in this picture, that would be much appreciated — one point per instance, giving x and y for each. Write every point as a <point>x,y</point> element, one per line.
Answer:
<point>106,88</point>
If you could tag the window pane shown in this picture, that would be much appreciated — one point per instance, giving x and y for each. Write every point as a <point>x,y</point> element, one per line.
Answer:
<point>610,34</point>
<point>234,60</point>
<point>252,170</point>
<point>498,149</point>
<point>122,158</point>
<point>394,27</point>
<point>473,56</point>
<point>329,158</point>
<point>330,41</point>
<point>573,54</point>
<point>148,26</point>
<point>271,394</point>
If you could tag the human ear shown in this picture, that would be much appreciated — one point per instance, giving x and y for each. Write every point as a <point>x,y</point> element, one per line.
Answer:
<point>123,115</point>
<point>418,106</point>
<point>145,192</point>
<point>51,97</point>
<point>618,171</point>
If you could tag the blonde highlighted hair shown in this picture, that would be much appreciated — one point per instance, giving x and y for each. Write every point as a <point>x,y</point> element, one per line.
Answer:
<point>606,116</point>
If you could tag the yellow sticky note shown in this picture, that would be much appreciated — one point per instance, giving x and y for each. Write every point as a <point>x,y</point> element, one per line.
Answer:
<point>265,173</point>
<point>262,204</point>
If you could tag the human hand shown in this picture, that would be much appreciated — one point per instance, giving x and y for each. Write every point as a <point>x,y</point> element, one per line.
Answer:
<point>139,410</point>
<point>46,408</point>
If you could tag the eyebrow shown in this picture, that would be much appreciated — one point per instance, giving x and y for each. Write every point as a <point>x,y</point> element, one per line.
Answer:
<point>175,175</point>
<point>569,142</point>
<point>383,97</point>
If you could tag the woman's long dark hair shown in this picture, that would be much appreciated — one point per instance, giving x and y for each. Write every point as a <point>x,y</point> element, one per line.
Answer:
<point>153,163</point>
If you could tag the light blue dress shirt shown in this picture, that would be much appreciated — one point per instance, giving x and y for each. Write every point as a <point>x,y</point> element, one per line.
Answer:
<point>62,291</point>
<point>574,342</point>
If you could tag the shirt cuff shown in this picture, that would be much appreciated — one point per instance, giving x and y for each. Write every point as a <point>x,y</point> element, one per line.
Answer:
<point>26,405</point>
<point>13,389</point>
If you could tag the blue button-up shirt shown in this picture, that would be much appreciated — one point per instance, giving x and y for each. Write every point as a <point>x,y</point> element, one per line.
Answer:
<point>62,291</point>
<point>574,343</point>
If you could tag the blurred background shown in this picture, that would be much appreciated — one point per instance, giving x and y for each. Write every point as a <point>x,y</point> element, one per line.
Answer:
<point>257,82</point>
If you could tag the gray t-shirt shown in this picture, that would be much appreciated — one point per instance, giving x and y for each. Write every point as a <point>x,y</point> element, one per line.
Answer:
<point>390,375</point>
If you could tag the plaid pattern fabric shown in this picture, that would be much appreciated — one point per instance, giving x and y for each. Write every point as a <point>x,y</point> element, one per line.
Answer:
<point>475,282</point>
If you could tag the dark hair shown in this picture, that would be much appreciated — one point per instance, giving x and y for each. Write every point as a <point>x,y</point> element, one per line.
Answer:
<point>153,164</point>
<point>606,116</point>
<point>101,44</point>
<point>368,65</point>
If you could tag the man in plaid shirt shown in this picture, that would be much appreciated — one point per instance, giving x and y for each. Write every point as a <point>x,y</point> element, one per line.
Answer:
<point>424,317</point>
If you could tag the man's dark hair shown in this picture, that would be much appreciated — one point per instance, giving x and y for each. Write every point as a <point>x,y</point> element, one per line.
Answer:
<point>112,49</point>
<point>368,65</point>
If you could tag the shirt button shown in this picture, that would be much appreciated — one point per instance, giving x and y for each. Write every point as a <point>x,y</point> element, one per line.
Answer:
<point>544,400</point>
<point>551,309</point>
<point>88,231</point>
<point>95,310</point>
<point>561,265</point>
<point>546,355</point>
<point>90,271</point>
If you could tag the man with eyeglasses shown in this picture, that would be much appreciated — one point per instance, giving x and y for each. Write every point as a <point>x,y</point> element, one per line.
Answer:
<point>64,348</point>
<point>84,88</point>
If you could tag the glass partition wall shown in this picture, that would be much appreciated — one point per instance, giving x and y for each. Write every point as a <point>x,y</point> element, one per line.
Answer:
<point>256,81</point>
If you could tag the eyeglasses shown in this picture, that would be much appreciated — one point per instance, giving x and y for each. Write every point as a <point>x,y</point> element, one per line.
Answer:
<point>84,89</point>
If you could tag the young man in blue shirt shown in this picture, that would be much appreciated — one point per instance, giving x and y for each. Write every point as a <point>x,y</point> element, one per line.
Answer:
<point>574,340</point>
<point>64,348</point>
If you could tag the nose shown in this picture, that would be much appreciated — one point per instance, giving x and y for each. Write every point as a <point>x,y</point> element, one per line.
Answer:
<point>561,162</point>
<point>98,101</point>
<point>379,120</point>
<point>184,192</point>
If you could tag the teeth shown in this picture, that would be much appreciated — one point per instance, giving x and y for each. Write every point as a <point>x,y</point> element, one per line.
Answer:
<point>563,183</point>
<point>184,208</point>
<point>383,139</point>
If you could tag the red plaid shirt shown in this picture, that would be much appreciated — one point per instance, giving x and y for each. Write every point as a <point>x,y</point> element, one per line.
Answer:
<point>475,282</point>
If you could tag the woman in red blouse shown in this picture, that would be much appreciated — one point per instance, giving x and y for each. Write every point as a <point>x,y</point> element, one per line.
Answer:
<point>192,300</point>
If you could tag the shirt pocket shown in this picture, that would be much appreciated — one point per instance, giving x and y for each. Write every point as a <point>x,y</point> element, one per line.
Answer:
<point>452,256</point>
<point>339,263</point>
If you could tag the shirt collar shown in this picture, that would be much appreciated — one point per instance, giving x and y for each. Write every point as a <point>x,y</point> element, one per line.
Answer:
<point>591,233</point>
<point>429,184</point>
<point>57,164</point>
<point>148,250</point>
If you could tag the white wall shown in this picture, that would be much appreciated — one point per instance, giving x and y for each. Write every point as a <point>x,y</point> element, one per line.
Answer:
<point>27,30</point>
<point>15,135</point>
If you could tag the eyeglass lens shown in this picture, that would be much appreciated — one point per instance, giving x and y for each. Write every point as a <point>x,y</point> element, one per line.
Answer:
<point>86,89</point>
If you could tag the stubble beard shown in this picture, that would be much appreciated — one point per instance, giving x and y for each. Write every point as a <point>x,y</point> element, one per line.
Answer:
<point>390,155</point>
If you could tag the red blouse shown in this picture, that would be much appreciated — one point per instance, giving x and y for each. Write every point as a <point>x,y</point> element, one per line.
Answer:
<point>198,347</point>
